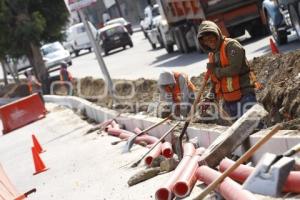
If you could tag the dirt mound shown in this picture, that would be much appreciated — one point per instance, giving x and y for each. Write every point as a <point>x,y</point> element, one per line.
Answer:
<point>280,75</point>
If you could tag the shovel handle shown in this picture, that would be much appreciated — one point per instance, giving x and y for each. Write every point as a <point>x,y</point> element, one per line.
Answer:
<point>292,151</point>
<point>188,120</point>
<point>241,160</point>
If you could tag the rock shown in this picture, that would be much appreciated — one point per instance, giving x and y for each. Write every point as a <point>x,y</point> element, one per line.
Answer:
<point>143,175</point>
<point>168,165</point>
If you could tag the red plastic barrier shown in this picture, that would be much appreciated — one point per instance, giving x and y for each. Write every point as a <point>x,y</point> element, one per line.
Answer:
<point>165,192</point>
<point>229,189</point>
<point>22,112</point>
<point>240,174</point>
<point>167,150</point>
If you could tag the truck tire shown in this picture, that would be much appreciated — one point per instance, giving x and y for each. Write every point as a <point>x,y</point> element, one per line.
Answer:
<point>280,36</point>
<point>257,29</point>
<point>180,41</point>
<point>295,19</point>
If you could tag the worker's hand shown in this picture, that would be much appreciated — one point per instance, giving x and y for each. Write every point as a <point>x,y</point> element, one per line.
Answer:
<point>211,58</point>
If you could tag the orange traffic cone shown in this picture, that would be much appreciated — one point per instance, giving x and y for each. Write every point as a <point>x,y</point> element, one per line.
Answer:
<point>37,145</point>
<point>273,46</point>
<point>38,163</point>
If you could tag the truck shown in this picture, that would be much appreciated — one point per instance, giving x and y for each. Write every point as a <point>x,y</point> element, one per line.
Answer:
<point>282,17</point>
<point>181,18</point>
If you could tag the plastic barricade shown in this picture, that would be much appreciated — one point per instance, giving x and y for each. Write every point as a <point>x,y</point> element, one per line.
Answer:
<point>22,112</point>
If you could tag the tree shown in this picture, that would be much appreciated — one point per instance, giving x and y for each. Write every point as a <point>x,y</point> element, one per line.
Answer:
<point>26,24</point>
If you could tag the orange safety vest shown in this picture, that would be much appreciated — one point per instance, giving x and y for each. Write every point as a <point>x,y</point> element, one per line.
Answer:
<point>228,87</point>
<point>176,93</point>
<point>64,74</point>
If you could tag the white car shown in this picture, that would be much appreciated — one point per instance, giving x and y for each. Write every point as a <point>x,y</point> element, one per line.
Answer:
<point>54,54</point>
<point>77,38</point>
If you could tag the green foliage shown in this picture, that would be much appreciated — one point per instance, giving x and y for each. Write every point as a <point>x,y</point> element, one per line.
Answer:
<point>23,22</point>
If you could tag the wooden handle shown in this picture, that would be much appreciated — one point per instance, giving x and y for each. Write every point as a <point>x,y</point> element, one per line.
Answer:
<point>155,125</point>
<point>241,160</point>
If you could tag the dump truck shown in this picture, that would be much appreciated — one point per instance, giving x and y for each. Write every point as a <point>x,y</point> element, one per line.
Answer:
<point>282,17</point>
<point>181,18</point>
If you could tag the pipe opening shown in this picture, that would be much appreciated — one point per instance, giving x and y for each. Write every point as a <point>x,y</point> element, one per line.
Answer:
<point>168,153</point>
<point>181,189</point>
<point>148,160</point>
<point>163,194</point>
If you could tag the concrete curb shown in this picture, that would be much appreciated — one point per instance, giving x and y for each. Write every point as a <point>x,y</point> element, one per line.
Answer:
<point>284,140</point>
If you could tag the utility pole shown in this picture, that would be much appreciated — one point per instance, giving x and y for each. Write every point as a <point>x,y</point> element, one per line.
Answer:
<point>97,51</point>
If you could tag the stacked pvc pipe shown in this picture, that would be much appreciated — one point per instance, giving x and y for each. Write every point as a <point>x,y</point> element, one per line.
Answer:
<point>165,192</point>
<point>186,181</point>
<point>228,188</point>
<point>241,173</point>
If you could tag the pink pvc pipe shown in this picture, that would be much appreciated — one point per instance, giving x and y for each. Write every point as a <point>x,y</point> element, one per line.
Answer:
<point>144,137</point>
<point>115,124</point>
<point>229,189</point>
<point>240,174</point>
<point>165,192</point>
<point>187,179</point>
<point>153,154</point>
<point>167,150</point>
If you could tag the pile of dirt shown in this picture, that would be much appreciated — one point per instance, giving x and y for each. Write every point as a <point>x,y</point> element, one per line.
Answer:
<point>280,75</point>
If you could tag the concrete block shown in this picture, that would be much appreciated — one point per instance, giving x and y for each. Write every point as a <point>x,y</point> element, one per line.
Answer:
<point>269,178</point>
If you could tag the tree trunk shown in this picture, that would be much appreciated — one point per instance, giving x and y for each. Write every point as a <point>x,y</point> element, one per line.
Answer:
<point>4,71</point>
<point>41,72</point>
<point>11,71</point>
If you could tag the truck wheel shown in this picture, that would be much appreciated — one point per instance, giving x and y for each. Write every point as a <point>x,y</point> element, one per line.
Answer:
<point>169,48</point>
<point>280,36</point>
<point>76,53</point>
<point>295,19</point>
<point>258,29</point>
<point>180,41</point>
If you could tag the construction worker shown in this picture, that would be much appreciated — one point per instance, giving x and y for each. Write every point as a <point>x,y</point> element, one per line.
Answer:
<point>64,74</point>
<point>229,70</point>
<point>34,86</point>
<point>177,90</point>
<point>65,78</point>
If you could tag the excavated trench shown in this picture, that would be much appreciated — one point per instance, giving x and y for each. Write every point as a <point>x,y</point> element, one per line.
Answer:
<point>279,74</point>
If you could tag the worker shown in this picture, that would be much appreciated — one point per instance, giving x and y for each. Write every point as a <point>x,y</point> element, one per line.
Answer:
<point>229,70</point>
<point>177,90</point>
<point>64,74</point>
<point>65,79</point>
<point>34,86</point>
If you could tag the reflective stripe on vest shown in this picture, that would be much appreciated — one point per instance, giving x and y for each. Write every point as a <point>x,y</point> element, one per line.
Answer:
<point>228,87</point>
<point>176,93</point>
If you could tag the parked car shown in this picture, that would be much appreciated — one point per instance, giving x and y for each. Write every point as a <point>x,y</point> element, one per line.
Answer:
<point>114,36</point>
<point>122,21</point>
<point>54,54</point>
<point>282,16</point>
<point>77,38</point>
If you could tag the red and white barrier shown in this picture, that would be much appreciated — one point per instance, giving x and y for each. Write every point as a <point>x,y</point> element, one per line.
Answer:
<point>22,112</point>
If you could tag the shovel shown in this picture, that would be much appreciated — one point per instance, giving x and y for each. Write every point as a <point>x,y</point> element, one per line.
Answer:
<point>188,120</point>
<point>162,137</point>
<point>131,139</point>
